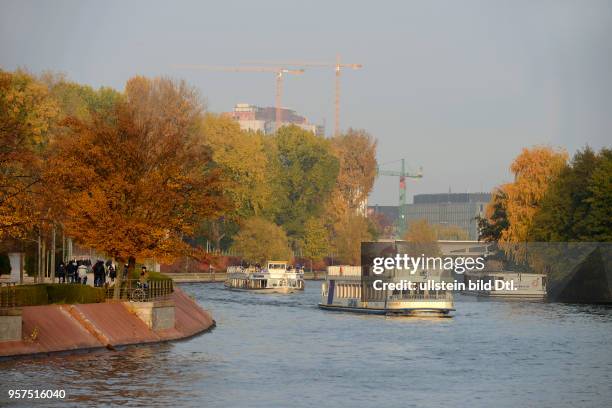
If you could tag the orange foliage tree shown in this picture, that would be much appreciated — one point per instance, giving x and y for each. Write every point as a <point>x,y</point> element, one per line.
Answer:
<point>534,170</point>
<point>135,185</point>
<point>345,208</point>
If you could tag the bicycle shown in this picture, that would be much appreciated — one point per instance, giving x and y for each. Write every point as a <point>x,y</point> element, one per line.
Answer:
<point>139,294</point>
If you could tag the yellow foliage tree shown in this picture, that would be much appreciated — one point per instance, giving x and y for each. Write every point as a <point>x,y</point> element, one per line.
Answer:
<point>534,170</point>
<point>242,158</point>
<point>27,115</point>
<point>260,240</point>
<point>423,238</point>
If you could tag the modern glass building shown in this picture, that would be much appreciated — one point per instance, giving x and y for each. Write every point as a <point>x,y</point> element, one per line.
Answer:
<point>447,209</point>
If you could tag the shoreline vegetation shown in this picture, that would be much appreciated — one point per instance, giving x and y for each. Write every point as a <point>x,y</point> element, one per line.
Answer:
<point>147,173</point>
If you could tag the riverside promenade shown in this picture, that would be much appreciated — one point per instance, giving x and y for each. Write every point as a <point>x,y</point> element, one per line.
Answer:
<point>55,328</point>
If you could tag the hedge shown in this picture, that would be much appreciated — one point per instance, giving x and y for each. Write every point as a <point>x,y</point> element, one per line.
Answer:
<point>50,293</point>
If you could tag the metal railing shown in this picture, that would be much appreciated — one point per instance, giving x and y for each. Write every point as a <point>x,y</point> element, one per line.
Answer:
<point>137,291</point>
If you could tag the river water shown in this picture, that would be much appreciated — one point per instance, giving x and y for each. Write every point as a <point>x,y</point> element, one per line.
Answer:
<point>281,351</point>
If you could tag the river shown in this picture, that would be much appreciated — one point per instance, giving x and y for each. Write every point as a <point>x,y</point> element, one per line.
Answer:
<point>282,351</point>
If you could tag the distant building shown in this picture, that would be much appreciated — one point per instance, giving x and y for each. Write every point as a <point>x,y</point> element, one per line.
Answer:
<point>263,119</point>
<point>459,209</point>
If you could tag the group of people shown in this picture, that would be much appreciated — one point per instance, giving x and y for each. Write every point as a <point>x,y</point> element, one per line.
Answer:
<point>76,271</point>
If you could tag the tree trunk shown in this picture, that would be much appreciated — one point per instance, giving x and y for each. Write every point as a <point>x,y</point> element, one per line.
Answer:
<point>131,266</point>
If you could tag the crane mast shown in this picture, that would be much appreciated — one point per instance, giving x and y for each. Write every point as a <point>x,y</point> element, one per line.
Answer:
<point>279,73</point>
<point>402,209</point>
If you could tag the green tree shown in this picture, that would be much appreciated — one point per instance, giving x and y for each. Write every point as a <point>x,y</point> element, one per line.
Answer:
<point>495,221</point>
<point>80,101</point>
<point>260,240</point>
<point>599,220</point>
<point>316,240</point>
<point>304,171</point>
<point>243,160</point>
<point>577,205</point>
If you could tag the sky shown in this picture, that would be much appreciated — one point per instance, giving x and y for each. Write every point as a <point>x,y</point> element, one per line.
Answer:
<point>457,87</point>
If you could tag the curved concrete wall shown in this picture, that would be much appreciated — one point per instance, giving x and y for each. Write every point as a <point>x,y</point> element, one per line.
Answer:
<point>55,328</point>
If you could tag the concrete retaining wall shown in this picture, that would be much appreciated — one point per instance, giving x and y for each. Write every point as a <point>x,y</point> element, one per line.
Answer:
<point>158,315</point>
<point>54,328</point>
<point>10,324</point>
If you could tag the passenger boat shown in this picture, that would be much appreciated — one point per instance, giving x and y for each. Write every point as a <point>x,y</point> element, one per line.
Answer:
<point>341,291</point>
<point>276,277</point>
<point>530,286</point>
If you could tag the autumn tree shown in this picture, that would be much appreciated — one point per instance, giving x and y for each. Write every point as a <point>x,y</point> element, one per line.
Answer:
<point>27,114</point>
<point>422,237</point>
<point>384,226</point>
<point>136,186</point>
<point>450,232</point>
<point>534,170</point>
<point>77,100</point>
<point>260,240</point>
<point>315,245</point>
<point>242,160</point>
<point>356,152</point>
<point>345,208</point>
<point>348,237</point>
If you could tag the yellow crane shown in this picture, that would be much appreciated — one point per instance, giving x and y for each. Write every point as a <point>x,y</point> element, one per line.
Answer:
<point>279,73</point>
<point>338,67</point>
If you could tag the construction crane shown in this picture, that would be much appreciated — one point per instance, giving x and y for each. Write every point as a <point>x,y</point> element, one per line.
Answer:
<point>402,174</point>
<point>338,67</point>
<point>279,73</point>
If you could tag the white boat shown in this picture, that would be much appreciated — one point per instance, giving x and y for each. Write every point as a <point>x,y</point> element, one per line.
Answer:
<point>276,277</point>
<point>516,285</point>
<point>342,291</point>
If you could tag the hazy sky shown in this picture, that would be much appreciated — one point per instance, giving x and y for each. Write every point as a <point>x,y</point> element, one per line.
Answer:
<point>458,87</point>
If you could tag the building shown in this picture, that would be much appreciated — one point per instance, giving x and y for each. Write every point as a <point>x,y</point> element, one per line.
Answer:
<point>446,209</point>
<point>263,119</point>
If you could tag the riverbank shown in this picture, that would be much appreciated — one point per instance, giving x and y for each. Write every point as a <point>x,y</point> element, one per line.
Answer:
<point>192,277</point>
<point>55,328</point>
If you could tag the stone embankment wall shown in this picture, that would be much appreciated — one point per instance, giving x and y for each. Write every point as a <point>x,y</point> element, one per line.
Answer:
<point>54,328</point>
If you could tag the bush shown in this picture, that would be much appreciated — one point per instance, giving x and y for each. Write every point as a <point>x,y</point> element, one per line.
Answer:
<point>153,276</point>
<point>74,293</point>
<point>54,293</point>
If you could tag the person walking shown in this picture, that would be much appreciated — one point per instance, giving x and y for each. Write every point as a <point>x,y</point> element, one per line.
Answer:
<point>71,271</point>
<point>112,272</point>
<point>99,273</point>
<point>144,277</point>
<point>60,272</point>
<point>82,274</point>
